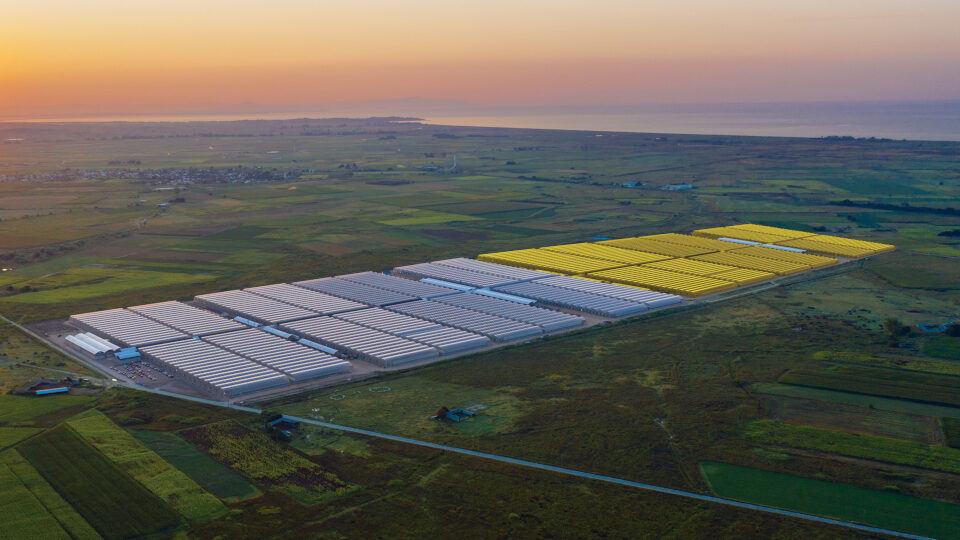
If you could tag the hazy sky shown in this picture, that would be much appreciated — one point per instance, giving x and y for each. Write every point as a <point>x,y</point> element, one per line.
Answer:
<point>123,52</point>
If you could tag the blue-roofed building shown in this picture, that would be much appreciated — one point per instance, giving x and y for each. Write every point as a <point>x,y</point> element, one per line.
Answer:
<point>130,353</point>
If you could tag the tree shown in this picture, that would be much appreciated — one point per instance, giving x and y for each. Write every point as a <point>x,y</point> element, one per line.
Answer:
<point>894,329</point>
<point>953,330</point>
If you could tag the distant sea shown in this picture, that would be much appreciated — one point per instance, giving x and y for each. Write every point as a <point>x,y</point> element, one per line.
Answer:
<point>938,121</point>
<point>916,121</point>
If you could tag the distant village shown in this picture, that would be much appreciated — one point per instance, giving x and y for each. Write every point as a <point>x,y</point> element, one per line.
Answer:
<point>202,175</point>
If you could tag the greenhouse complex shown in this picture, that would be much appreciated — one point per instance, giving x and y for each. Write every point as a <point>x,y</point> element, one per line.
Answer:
<point>235,343</point>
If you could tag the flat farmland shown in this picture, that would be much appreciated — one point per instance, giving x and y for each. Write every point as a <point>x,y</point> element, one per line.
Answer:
<point>858,400</point>
<point>951,432</point>
<point>22,409</point>
<point>17,347</point>
<point>30,503</point>
<point>110,500</point>
<point>853,418</point>
<point>895,361</point>
<point>943,347</point>
<point>10,436</point>
<point>878,508</point>
<point>367,194</point>
<point>926,388</point>
<point>160,477</point>
<point>884,449</point>
<point>210,474</point>
<point>267,463</point>
<point>21,511</point>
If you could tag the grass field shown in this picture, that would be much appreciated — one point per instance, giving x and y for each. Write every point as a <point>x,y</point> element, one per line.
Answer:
<point>855,445</point>
<point>82,283</point>
<point>912,363</point>
<point>839,501</point>
<point>204,470</point>
<point>862,400</point>
<point>926,388</point>
<point>269,464</point>
<point>936,273</point>
<point>943,347</point>
<point>20,511</point>
<point>163,479</point>
<point>21,409</point>
<point>15,346</point>
<point>866,301</point>
<point>951,432</point>
<point>852,418</point>
<point>115,504</point>
<point>410,401</point>
<point>34,500</point>
<point>11,436</point>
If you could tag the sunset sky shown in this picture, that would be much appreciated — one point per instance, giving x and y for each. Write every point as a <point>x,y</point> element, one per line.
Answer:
<point>56,53</point>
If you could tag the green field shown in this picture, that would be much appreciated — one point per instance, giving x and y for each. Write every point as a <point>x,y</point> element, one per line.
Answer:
<point>269,464</point>
<point>211,475</point>
<point>35,501</point>
<point>936,273</point>
<point>839,501</point>
<point>951,432</point>
<point>852,418</point>
<point>863,400</point>
<point>11,436</point>
<point>863,300</point>
<point>20,511</point>
<point>911,363</point>
<point>855,445</point>
<point>926,388</point>
<point>21,409</point>
<point>115,504</point>
<point>407,403</point>
<point>17,347</point>
<point>943,347</point>
<point>82,283</point>
<point>144,465</point>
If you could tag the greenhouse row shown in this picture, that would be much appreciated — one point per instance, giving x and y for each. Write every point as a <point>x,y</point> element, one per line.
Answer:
<point>482,267</point>
<point>574,300</point>
<point>492,326</point>
<point>416,289</point>
<point>650,299</point>
<point>92,343</point>
<point>707,262</point>
<point>218,370</point>
<point>188,319</point>
<point>317,302</point>
<point>470,278</point>
<point>357,292</point>
<point>421,311</point>
<point>126,327</point>
<point>445,339</point>
<point>253,306</point>
<point>361,342</point>
<point>292,359</point>
<point>547,319</point>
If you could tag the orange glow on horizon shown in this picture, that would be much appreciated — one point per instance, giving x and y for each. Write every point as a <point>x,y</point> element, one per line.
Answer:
<point>108,52</point>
